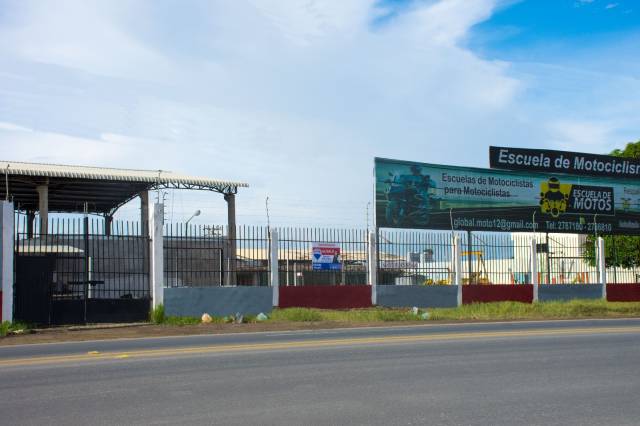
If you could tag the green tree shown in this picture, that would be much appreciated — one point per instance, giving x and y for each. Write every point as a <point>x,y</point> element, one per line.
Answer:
<point>620,250</point>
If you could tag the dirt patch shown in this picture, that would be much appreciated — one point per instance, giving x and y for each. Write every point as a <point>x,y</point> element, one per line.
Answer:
<point>78,334</point>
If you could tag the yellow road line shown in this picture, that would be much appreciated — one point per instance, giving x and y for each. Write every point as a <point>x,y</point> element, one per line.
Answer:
<point>302,344</point>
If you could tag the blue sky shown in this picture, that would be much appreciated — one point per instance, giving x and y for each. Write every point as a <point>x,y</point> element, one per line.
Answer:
<point>296,98</point>
<point>558,30</point>
<point>524,24</point>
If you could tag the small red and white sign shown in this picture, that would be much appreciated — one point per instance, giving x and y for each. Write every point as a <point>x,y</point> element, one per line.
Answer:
<point>325,256</point>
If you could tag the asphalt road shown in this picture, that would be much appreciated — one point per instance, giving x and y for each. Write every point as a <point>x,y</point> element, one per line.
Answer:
<point>551,373</point>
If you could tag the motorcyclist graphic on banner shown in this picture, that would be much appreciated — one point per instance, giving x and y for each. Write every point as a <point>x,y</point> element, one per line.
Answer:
<point>554,197</point>
<point>410,197</point>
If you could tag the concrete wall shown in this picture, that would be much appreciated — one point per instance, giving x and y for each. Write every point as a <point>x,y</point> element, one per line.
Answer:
<point>325,296</point>
<point>217,301</point>
<point>441,296</point>
<point>497,293</point>
<point>564,292</point>
<point>623,292</point>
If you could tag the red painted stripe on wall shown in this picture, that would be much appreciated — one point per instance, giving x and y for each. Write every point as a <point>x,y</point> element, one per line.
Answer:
<point>325,297</point>
<point>497,293</point>
<point>623,292</point>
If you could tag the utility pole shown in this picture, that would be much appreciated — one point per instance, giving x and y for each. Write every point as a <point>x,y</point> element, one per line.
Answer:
<point>368,205</point>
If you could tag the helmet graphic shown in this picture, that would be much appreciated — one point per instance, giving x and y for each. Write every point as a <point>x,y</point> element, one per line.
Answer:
<point>554,197</point>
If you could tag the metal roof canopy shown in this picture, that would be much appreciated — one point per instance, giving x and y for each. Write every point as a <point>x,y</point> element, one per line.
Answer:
<point>104,189</point>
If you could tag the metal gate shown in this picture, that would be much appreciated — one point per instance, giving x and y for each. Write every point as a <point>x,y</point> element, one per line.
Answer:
<point>75,274</point>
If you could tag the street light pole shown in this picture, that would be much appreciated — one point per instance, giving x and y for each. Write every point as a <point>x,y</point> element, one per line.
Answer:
<point>196,213</point>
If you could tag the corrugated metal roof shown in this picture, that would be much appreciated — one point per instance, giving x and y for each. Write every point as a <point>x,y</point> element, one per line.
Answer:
<point>122,175</point>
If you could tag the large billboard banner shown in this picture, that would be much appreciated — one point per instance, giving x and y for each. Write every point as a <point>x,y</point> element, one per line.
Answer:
<point>428,196</point>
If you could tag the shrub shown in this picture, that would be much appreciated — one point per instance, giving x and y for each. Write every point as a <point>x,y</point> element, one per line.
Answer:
<point>157,315</point>
<point>5,327</point>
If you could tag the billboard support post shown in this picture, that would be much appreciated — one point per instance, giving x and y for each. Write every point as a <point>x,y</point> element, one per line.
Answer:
<point>457,267</point>
<point>548,258</point>
<point>534,269</point>
<point>469,257</point>
<point>602,267</point>
<point>372,264</point>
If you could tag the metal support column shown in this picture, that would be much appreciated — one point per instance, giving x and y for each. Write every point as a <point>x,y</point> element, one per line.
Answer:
<point>231,237</point>
<point>43,207</point>
<point>86,261</point>
<point>31,218</point>
<point>108,224</point>
<point>144,213</point>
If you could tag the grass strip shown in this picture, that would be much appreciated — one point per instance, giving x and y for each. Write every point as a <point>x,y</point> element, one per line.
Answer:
<point>474,312</point>
<point>544,310</point>
<point>351,315</point>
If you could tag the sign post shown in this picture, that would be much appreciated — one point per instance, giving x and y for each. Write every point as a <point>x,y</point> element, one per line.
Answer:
<point>372,264</point>
<point>534,269</point>
<point>457,268</point>
<point>602,267</point>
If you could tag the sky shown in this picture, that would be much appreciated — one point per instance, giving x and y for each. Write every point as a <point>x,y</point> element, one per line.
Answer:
<point>297,98</point>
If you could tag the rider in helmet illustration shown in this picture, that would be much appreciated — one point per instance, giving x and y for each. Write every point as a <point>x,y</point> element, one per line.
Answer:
<point>555,198</point>
<point>409,197</point>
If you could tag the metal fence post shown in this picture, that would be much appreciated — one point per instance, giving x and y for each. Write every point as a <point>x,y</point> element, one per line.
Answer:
<point>274,276</point>
<point>156,256</point>
<point>602,267</point>
<point>534,268</point>
<point>85,261</point>
<point>457,267</point>
<point>6,259</point>
<point>372,265</point>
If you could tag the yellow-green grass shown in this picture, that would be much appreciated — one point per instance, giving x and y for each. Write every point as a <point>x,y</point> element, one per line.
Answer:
<point>7,327</point>
<point>473,312</point>
<point>476,311</point>
<point>347,316</point>
<point>519,311</point>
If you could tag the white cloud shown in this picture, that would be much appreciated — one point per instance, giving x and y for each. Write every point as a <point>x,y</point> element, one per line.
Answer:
<point>83,35</point>
<point>48,147</point>
<point>587,136</point>
<point>13,127</point>
<point>612,5</point>
<point>304,23</point>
